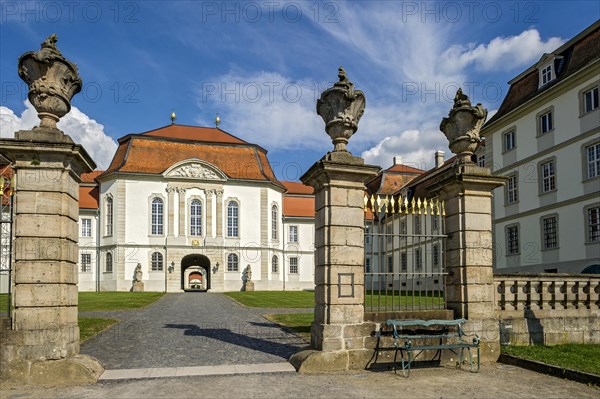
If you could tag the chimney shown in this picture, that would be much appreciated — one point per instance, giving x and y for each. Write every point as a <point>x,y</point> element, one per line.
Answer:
<point>397,160</point>
<point>439,159</point>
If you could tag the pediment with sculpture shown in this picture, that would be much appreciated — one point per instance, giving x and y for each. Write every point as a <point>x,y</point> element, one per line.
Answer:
<point>195,169</point>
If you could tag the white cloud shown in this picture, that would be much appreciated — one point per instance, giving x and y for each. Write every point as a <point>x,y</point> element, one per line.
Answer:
<point>76,124</point>
<point>502,53</point>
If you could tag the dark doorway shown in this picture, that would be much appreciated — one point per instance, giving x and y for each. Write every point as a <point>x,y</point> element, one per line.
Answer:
<point>195,273</point>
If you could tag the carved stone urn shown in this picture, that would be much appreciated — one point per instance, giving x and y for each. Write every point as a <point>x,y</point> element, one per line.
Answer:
<point>462,126</point>
<point>341,107</point>
<point>52,81</point>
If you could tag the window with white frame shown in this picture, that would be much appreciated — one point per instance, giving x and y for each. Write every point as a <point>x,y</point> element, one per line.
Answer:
<point>232,219</point>
<point>390,264</point>
<point>294,265</point>
<point>481,160</point>
<point>512,240</point>
<point>157,216</point>
<point>546,74</point>
<point>293,233</point>
<point>509,140</point>
<point>108,266</point>
<point>232,263</point>
<point>512,190</point>
<point>109,216</point>
<point>434,222</point>
<point>593,160</point>
<point>403,227</point>
<point>86,263</point>
<point>546,122</point>
<point>368,265</point>
<point>593,224</point>
<point>418,259</point>
<point>367,234</point>
<point>548,176</point>
<point>435,255</point>
<point>550,233</point>
<point>275,264</point>
<point>404,261</point>
<point>417,224</point>
<point>196,218</point>
<point>274,222</point>
<point>388,234</point>
<point>590,100</point>
<point>86,227</point>
<point>156,262</point>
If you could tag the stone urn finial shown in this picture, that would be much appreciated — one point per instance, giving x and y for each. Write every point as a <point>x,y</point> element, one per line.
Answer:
<point>462,126</point>
<point>341,107</point>
<point>53,81</point>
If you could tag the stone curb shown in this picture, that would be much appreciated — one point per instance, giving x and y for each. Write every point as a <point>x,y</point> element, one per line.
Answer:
<point>578,376</point>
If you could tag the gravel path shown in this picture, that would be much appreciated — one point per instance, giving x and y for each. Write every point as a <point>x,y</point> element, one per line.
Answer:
<point>191,329</point>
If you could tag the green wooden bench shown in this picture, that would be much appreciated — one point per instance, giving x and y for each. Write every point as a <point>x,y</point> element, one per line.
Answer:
<point>439,330</point>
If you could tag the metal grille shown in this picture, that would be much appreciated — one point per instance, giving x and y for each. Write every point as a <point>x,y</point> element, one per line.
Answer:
<point>6,241</point>
<point>404,253</point>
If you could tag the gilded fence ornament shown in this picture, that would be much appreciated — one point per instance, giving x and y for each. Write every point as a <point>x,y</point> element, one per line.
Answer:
<point>462,127</point>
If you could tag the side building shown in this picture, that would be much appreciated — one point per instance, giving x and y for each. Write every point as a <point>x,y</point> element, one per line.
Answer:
<point>545,138</point>
<point>194,207</point>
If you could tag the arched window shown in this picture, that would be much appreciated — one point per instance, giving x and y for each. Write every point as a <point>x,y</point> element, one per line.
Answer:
<point>157,262</point>
<point>196,218</point>
<point>109,262</point>
<point>109,216</point>
<point>232,263</point>
<point>274,219</point>
<point>157,216</point>
<point>275,264</point>
<point>232,219</point>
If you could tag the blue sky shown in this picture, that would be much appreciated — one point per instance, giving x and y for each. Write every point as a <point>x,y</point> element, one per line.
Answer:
<point>262,64</point>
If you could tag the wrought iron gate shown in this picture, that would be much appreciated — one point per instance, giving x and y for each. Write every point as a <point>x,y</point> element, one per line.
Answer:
<point>404,253</point>
<point>7,184</point>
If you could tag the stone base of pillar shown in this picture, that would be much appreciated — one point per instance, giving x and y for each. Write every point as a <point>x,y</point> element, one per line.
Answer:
<point>75,370</point>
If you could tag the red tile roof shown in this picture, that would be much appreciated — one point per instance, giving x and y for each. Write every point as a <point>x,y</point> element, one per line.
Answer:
<point>299,206</point>
<point>390,180</point>
<point>88,197</point>
<point>297,188</point>
<point>195,133</point>
<point>90,177</point>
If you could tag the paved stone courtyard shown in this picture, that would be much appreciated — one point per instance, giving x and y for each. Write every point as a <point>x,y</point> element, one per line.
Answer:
<point>191,329</point>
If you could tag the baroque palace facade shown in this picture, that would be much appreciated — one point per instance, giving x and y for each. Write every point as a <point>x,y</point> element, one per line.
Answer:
<point>194,207</point>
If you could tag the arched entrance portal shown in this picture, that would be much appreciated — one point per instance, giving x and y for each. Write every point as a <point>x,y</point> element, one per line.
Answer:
<point>195,273</point>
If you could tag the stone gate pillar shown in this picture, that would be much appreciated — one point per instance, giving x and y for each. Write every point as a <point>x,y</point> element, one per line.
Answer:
<point>339,182</point>
<point>466,190</point>
<point>43,345</point>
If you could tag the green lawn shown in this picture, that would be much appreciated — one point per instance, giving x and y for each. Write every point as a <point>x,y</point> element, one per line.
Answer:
<point>274,299</point>
<point>90,326</point>
<point>297,322</point>
<point>578,357</point>
<point>105,301</point>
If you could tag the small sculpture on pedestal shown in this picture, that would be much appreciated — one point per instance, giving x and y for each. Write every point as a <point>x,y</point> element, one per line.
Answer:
<point>462,127</point>
<point>248,283</point>
<point>138,285</point>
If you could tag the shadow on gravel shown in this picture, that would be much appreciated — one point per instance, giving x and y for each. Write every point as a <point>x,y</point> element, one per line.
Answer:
<point>262,342</point>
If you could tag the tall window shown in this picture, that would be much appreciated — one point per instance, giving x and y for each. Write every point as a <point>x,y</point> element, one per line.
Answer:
<point>232,219</point>
<point>275,264</point>
<point>481,160</point>
<point>434,222</point>
<point>157,262</point>
<point>232,263</point>
<point>546,122</point>
<point>367,234</point>
<point>274,224</point>
<point>404,261</point>
<point>368,265</point>
<point>388,234</point>
<point>403,227</point>
<point>109,216</point>
<point>417,224</point>
<point>294,265</point>
<point>436,256</point>
<point>512,193</point>
<point>509,140</point>
<point>293,233</point>
<point>390,264</point>
<point>109,263</point>
<point>593,160</point>
<point>418,259</point>
<point>86,227</point>
<point>157,216</point>
<point>590,99</point>
<point>549,227</point>
<point>86,263</point>
<point>594,224</point>
<point>546,74</point>
<point>196,218</point>
<point>512,240</point>
<point>548,177</point>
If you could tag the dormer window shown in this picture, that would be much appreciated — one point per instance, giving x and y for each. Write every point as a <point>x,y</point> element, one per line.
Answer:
<point>545,75</point>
